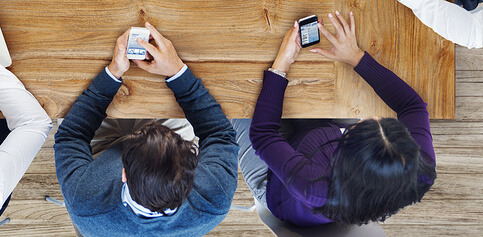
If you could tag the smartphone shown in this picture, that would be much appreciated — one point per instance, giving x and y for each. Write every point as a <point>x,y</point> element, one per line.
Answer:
<point>134,50</point>
<point>309,32</point>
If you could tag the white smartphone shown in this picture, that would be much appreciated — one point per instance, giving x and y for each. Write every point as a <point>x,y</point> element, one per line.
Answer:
<point>134,50</point>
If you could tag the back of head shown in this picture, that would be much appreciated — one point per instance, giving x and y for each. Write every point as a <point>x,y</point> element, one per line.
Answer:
<point>160,167</point>
<point>375,173</point>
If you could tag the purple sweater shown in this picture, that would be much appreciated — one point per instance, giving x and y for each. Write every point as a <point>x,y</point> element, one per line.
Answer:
<point>293,202</point>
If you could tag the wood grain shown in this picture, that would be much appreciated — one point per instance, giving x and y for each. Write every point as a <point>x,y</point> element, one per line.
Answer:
<point>57,47</point>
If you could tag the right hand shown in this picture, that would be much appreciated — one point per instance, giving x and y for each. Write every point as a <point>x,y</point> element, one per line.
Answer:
<point>166,61</point>
<point>344,44</point>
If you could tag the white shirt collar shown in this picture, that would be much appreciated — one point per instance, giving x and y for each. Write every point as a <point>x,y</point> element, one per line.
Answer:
<point>138,209</point>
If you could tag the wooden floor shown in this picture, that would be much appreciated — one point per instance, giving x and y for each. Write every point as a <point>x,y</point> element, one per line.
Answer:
<point>453,207</point>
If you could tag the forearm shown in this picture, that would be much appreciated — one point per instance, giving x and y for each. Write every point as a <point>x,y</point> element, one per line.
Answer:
<point>268,111</point>
<point>199,107</point>
<point>389,87</point>
<point>72,149</point>
<point>16,154</point>
<point>218,148</point>
<point>89,109</point>
<point>450,21</point>
<point>29,125</point>
<point>264,135</point>
<point>20,107</point>
<point>400,97</point>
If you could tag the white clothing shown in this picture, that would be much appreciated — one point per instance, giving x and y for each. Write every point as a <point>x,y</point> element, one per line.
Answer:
<point>29,125</point>
<point>450,21</point>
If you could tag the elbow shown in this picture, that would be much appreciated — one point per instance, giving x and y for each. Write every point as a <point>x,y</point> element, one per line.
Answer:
<point>46,125</point>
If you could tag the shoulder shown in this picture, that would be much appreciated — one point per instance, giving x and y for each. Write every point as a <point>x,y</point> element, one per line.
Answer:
<point>98,187</point>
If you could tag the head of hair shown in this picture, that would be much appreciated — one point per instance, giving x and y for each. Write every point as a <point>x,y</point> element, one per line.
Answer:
<point>375,173</point>
<point>160,167</point>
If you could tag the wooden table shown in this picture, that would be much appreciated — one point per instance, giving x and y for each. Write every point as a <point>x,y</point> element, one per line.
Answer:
<point>58,46</point>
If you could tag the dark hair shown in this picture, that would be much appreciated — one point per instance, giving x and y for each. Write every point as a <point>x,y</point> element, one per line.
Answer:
<point>376,171</point>
<point>160,167</point>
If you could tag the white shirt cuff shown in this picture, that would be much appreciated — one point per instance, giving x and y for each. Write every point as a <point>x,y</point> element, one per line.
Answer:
<point>178,74</point>
<point>112,76</point>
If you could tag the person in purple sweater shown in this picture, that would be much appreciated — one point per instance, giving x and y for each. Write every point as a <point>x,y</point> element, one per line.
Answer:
<point>354,174</point>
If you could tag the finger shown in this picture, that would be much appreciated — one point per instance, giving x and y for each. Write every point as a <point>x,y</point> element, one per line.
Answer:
<point>155,33</point>
<point>295,30</point>
<point>298,41</point>
<point>149,47</point>
<point>323,52</point>
<point>147,66</point>
<point>353,23</point>
<point>122,40</point>
<point>330,37</point>
<point>336,24</point>
<point>343,21</point>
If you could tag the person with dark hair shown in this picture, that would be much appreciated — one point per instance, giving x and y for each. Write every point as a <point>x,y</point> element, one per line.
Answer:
<point>352,174</point>
<point>147,179</point>
<point>22,132</point>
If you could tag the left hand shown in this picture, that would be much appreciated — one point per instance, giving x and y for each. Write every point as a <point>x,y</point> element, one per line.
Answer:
<point>289,50</point>
<point>344,43</point>
<point>120,63</point>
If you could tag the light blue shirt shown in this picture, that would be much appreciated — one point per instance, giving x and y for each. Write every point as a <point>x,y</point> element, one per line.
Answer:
<point>138,209</point>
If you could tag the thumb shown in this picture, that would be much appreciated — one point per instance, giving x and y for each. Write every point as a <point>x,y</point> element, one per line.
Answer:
<point>295,30</point>
<point>149,47</point>
<point>323,52</point>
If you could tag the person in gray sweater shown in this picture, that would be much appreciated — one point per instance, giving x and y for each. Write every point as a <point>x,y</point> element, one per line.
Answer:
<point>153,183</point>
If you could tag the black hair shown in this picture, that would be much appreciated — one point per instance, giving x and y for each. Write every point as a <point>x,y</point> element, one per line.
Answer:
<point>376,170</point>
<point>160,167</point>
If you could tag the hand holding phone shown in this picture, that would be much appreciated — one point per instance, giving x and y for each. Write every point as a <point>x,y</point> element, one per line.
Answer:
<point>289,50</point>
<point>166,61</point>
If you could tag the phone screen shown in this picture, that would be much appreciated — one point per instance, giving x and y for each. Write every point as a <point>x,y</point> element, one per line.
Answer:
<point>309,32</point>
<point>134,47</point>
<point>134,50</point>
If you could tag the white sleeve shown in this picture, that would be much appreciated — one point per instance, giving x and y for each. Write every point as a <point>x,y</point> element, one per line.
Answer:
<point>450,21</point>
<point>29,125</point>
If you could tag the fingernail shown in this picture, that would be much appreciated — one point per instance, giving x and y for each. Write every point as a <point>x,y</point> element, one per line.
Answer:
<point>313,50</point>
<point>319,25</point>
<point>147,23</point>
<point>295,24</point>
<point>337,12</point>
<point>352,14</point>
<point>330,15</point>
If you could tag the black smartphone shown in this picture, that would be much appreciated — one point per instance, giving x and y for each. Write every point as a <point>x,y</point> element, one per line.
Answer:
<point>309,32</point>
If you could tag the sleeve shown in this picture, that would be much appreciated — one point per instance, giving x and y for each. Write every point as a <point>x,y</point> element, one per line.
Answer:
<point>217,171</point>
<point>272,148</point>
<point>400,97</point>
<point>450,21</point>
<point>72,140</point>
<point>29,125</point>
